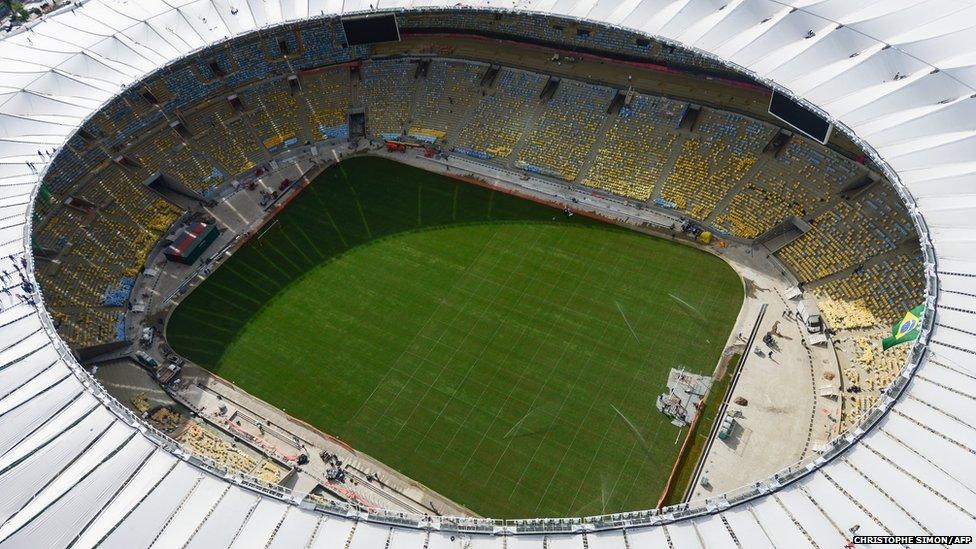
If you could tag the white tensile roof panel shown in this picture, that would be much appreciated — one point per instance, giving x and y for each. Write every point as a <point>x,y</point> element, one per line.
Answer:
<point>407,538</point>
<point>955,489</point>
<point>647,537</point>
<point>369,535</point>
<point>684,534</point>
<point>563,541</point>
<point>524,542</point>
<point>713,533</point>
<point>605,540</point>
<point>960,425</point>
<point>187,518</point>
<point>261,522</point>
<point>20,422</point>
<point>23,477</point>
<point>811,518</point>
<point>746,528</point>
<point>838,507</point>
<point>140,527</point>
<point>778,524</point>
<point>947,376</point>
<point>917,499</point>
<point>948,454</point>
<point>907,92</point>
<point>58,519</point>
<point>151,472</point>
<point>295,531</point>
<point>223,524</point>
<point>26,391</point>
<point>332,533</point>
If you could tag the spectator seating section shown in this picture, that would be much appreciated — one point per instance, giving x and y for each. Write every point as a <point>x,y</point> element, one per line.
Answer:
<point>273,112</point>
<point>387,93</point>
<point>850,232</point>
<point>572,36</point>
<point>567,129</point>
<point>101,247</point>
<point>327,96</point>
<point>231,146</point>
<point>708,180</point>
<point>723,148</point>
<point>448,92</point>
<point>491,128</point>
<point>801,180</point>
<point>886,288</point>
<point>635,152</point>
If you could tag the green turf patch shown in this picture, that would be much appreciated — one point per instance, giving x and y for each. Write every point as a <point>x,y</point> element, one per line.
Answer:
<point>485,345</point>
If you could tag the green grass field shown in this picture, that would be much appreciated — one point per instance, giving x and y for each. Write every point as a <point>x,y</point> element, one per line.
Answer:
<point>485,345</point>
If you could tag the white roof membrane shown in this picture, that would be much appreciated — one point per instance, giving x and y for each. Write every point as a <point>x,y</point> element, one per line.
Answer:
<point>899,76</point>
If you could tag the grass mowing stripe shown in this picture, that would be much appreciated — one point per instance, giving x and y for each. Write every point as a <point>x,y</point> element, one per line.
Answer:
<point>472,344</point>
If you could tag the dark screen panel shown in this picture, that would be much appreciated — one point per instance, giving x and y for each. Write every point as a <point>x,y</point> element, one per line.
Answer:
<point>798,116</point>
<point>369,29</point>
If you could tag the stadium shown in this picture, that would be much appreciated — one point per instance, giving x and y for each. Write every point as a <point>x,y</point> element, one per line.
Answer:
<point>527,274</point>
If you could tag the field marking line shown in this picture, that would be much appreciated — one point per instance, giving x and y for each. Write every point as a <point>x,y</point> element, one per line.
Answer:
<point>423,359</point>
<point>661,421</point>
<point>470,296</point>
<point>266,229</point>
<point>455,350</point>
<point>457,281</point>
<point>312,244</point>
<point>636,338</point>
<point>463,379</point>
<point>484,390</point>
<point>359,207</point>
<point>328,214</point>
<point>603,437</point>
<point>420,191</point>
<point>276,265</point>
<point>438,341</point>
<point>247,282</point>
<point>280,250</point>
<point>219,286</point>
<point>300,250</point>
<point>606,325</point>
<point>497,416</point>
<point>247,265</point>
<point>633,428</point>
<point>565,304</point>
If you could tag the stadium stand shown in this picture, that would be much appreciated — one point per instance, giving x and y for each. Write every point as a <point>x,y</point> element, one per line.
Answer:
<point>723,148</point>
<point>387,92</point>
<point>450,89</point>
<point>99,246</point>
<point>637,146</point>
<point>232,146</point>
<point>798,182</point>
<point>855,229</point>
<point>630,160</point>
<point>273,114</point>
<point>327,96</point>
<point>885,289</point>
<point>489,130</point>
<point>562,35</point>
<point>566,130</point>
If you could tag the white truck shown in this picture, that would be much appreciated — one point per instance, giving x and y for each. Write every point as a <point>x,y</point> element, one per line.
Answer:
<point>809,314</point>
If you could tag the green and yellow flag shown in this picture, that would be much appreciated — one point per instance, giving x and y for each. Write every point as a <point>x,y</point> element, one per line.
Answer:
<point>906,330</point>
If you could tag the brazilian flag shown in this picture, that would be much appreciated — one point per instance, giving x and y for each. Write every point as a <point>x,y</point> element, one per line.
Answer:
<point>906,330</point>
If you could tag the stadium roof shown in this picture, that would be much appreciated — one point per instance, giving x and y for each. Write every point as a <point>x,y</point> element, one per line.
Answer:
<point>898,75</point>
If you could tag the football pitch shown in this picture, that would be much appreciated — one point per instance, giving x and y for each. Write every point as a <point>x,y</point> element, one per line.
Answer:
<point>487,346</point>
